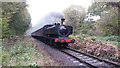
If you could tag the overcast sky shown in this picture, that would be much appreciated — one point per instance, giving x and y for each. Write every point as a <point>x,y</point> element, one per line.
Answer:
<point>39,8</point>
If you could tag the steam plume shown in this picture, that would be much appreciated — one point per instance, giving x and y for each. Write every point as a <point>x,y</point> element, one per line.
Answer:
<point>50,18</point>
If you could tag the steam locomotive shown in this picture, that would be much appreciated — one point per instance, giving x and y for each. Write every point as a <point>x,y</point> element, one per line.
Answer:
<point>55,35</point>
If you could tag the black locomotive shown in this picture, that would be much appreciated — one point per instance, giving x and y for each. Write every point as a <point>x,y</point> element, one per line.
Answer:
<point>56,34</point>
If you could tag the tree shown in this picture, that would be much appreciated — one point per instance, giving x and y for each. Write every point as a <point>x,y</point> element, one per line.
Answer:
<point>75,16</point>
<point>15,18</point>
<point>108,24</point>
<point>20,22</point>
<point>108,12</point>
<point>87,28</point>
<point>97,8</point>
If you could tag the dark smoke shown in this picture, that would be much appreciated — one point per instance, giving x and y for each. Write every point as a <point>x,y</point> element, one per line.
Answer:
<point>50,18</point>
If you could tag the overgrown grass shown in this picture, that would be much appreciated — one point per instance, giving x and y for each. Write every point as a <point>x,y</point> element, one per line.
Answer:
<point>112,39</point>
<point>22,53</point>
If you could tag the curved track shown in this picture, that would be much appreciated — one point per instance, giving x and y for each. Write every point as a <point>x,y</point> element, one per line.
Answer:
<point>89,60</point>
<point>86,60</point>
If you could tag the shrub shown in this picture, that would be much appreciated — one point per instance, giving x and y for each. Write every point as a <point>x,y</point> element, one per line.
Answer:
<point>112,38</point>
<point>16,54</point>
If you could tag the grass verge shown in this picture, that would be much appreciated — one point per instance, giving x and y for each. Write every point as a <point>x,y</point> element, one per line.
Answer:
<point>21,52</point>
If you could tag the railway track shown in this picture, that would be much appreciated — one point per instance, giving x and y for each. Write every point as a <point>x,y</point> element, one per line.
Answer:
<point>86,60</point>
<point>89,60</point>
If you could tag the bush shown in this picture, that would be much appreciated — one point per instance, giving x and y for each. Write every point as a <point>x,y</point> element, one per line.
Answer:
<point>112,38</point>
<point>93,38</point>
<point>87,28</point>
<point>17,53</point>
<point>82,37</point>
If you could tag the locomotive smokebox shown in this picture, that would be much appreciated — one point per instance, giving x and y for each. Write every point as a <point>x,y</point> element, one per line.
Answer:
<point>62,20</point>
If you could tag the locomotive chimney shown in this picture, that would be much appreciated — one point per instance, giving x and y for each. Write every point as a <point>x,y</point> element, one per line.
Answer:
<point>62,20</point>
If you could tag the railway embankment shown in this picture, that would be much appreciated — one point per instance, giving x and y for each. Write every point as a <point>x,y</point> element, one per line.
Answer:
<point>26,51</point>
<point>104,50</point>
<point>21,51</point>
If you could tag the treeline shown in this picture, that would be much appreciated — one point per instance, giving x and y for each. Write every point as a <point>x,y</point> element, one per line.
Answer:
<point>107,25</point>
<point>15,19</point>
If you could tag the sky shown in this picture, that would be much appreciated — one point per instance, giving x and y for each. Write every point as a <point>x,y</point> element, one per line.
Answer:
<point>38,8</point>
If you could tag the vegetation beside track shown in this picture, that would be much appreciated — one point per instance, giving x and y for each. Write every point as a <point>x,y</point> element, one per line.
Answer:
<point>104,47</point>
<point>98,36</point>
<point>15,49</point>
<point>22,52</point>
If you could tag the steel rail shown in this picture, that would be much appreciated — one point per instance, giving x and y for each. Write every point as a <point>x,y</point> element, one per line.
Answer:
<point>102,60</point>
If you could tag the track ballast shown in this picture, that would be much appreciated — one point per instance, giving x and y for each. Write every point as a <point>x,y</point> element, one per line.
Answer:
<point>89,60</point>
